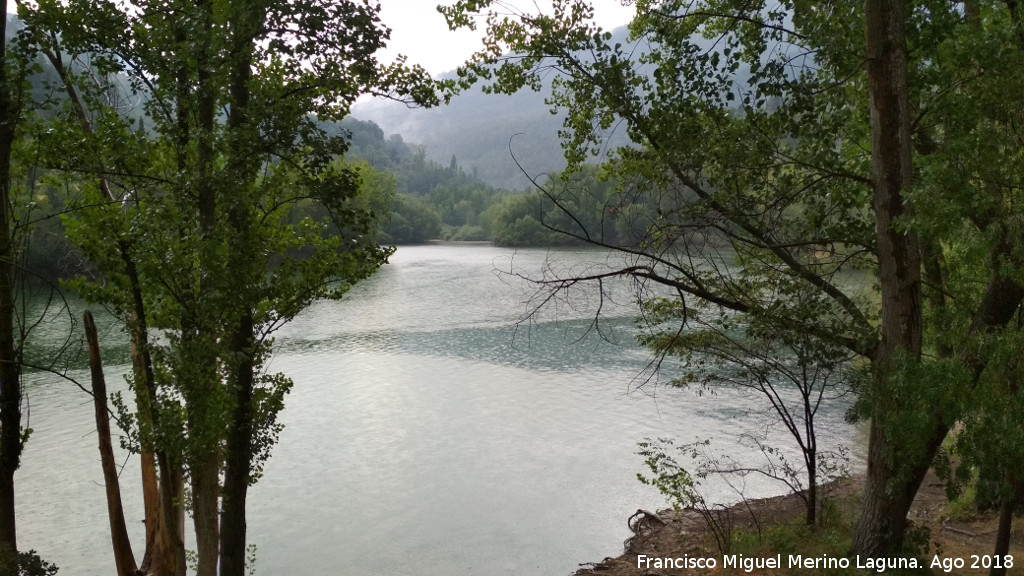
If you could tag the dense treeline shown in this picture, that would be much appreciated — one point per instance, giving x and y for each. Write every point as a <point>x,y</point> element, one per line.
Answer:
<point>434,201</point>
<point>431,201</point>
<point>416,200</point>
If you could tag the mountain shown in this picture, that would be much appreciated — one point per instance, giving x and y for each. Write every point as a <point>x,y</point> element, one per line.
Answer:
<point>479,129</point>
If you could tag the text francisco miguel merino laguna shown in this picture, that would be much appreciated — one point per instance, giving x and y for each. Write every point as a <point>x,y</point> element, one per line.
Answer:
<point>749,564</point>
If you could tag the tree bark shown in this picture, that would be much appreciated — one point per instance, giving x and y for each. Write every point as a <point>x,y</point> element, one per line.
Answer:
<point>124,558</point>
<point>889,491</point>
<point>162,487</point>
<point>812,487</point>
<point>205,476</point>
<point>11,443</point>
<point>242,166</point>
<point>1002,548</point>
<point>198,333</point>
<point>238,468</point>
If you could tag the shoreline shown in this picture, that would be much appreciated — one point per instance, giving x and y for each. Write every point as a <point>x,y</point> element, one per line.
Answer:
<point>685,538</point>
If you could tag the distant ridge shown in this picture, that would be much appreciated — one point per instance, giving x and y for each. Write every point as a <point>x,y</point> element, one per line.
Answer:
<point>479,129</point>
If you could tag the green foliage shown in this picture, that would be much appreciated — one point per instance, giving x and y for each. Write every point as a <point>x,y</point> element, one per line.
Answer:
<point>986,456</point>
<point>962,505</point>
<point>575,208</point>
<point>412,220</point>
<point>683,488</point>
<point>721,165</point>
<point>26,563</point>
<point>671,479</point>
<point>250,559</point>
<point>753,148</point>
<point>227,217</point>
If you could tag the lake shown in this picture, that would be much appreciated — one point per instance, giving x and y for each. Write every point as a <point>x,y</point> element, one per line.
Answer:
<point>428,432</point>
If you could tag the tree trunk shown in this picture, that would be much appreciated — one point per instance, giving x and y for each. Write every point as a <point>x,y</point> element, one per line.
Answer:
<point>206,471</point>
<point>242,166</point>
<point>888,490</point>
<point>159,557</point>
<point>237,470</point>
<point>1002,548</point>
<point>165,546</point>
<point>205,490</point>
<point>10,363</point>
<point>812,487</point>
<point>883,515</point>
<point>899,255</point>
<point>173,485</point>
<point>124,558</point>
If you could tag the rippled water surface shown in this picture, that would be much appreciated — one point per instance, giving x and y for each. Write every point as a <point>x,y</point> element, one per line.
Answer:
<point>427,434</point>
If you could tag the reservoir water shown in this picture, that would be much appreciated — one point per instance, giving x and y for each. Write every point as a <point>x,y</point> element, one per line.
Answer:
<point>428,432</point>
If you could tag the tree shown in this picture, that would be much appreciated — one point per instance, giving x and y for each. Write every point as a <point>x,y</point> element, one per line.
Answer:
<point>190,224</point>
<point>411,221</point>
<point>10,363</point>
<point>795,373</point>
<point>16,105</point>
<point>786,137</point>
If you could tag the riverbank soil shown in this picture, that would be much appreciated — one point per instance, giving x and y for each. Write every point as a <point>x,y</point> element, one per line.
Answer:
<point>772,526</point>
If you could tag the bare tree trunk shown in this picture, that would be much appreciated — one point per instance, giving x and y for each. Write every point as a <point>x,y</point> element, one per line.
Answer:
<point>888,494</point>
<point>124,558</point>
<point>162,492</point>
<point>812,487</point>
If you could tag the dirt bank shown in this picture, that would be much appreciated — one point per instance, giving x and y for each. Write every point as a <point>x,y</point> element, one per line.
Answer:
<point>668,535</point>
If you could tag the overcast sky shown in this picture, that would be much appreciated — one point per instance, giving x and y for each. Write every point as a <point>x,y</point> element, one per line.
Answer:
<point>420,32</point>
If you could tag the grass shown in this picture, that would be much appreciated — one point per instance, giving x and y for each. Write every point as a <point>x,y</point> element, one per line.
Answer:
<point>831,541</point>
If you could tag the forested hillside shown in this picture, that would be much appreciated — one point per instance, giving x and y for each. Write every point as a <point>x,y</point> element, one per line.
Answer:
<point>498,135</point>
<point>432,200</point>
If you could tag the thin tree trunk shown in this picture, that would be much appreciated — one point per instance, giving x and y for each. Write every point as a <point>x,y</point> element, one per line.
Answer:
<point>124,558</point>
<point>172,483</point>
<point>159,557</point>
<point>812,488</point>
<point>151,506</point>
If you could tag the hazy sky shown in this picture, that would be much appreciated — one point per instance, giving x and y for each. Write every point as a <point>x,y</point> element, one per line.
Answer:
<point>420,32</point>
